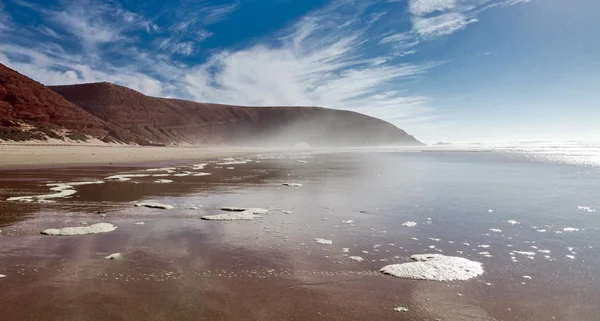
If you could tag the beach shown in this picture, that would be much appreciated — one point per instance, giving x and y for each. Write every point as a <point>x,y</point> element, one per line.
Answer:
<point>43,155</point>
<point>294,254</point>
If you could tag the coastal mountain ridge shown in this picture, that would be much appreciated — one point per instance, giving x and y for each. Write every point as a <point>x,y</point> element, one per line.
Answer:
<point>115,113</point>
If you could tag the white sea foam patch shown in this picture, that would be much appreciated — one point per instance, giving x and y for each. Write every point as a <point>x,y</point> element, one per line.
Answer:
<point>2,276</point>
<point>409,224</point>
<point>162,169</point>
<point>61,189</point>
<point>114,256</point>
<point>199,166</point>
<point>525,253</point>
<point>571,229</point>
<point>512,222</point>
<point>81,230</point>
<point>154,205</point>
<point>201,174</point>
<point>125,177</point>
<point>356,258</point>
<point>231,161</point>
<point>495,230</point>
<point>435,267</point>
<point>163,181</point>
<point>237,214</point>
<point>585,209</point>
<point>323,241</point>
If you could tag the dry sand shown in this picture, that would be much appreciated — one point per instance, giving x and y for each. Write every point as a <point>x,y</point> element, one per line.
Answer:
<point>27,156</point>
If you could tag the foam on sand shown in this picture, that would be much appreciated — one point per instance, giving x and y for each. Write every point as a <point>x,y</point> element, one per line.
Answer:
<point>292,184</point>
<point>525,253</point>
<point>585,209</point>
<point>201,174</point>
<point>2,276</point>
<point>199,166</point>
<point>81,230</point>
<point>232,161</point>
<point>236,214</point>
<point>356,258</point>
<point>162,169</point>
<point>409,224</point>
<point>323,241</point>
<point>401,309</point>
<point>435,267</point>
<point>155,205</point>
<point>163,181</point>
<point>125,177</point>
<point>113,256</point>
<point>61,189</point>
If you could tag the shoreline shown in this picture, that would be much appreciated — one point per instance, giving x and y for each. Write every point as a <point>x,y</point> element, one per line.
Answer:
<point>14,157</point>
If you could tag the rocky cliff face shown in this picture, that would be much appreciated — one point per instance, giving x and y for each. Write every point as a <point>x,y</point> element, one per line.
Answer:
<point>170,121</point>
<point>23,99</point>
<point>111,112</point>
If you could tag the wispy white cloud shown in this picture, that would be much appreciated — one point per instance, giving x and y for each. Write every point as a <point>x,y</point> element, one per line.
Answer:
<point>4,18</point>
<point>313,64</point>
<point>185,48</point>
<point>196,16</point>
<point>441,25</point>
<point>54,67</point>
<point>203,34</point>
<point>49,32</point>
<point>214,14</point>
<point>93,22</point>
<point>423,7</point>
<point>84,26</point>
<point>435,18</point>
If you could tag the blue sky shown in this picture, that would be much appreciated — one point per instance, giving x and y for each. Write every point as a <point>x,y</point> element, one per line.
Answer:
<point>444,70</point>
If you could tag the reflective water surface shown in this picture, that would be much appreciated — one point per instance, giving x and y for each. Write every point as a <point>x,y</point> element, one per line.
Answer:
<point>533,224</point>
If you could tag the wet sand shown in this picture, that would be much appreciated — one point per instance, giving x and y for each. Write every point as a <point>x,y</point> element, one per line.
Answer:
<point>178,267</point>
<point>35,156</point>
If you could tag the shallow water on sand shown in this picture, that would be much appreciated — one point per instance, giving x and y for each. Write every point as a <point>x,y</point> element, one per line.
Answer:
<point>176,266</point>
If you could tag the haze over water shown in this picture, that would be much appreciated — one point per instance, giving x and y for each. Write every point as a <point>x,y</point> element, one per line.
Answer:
<point>529,213</point>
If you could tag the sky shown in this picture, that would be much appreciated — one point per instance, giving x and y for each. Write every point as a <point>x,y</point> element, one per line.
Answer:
<point>443,70</point>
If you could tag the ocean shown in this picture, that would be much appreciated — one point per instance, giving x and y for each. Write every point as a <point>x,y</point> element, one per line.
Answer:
<point>528,212</point>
